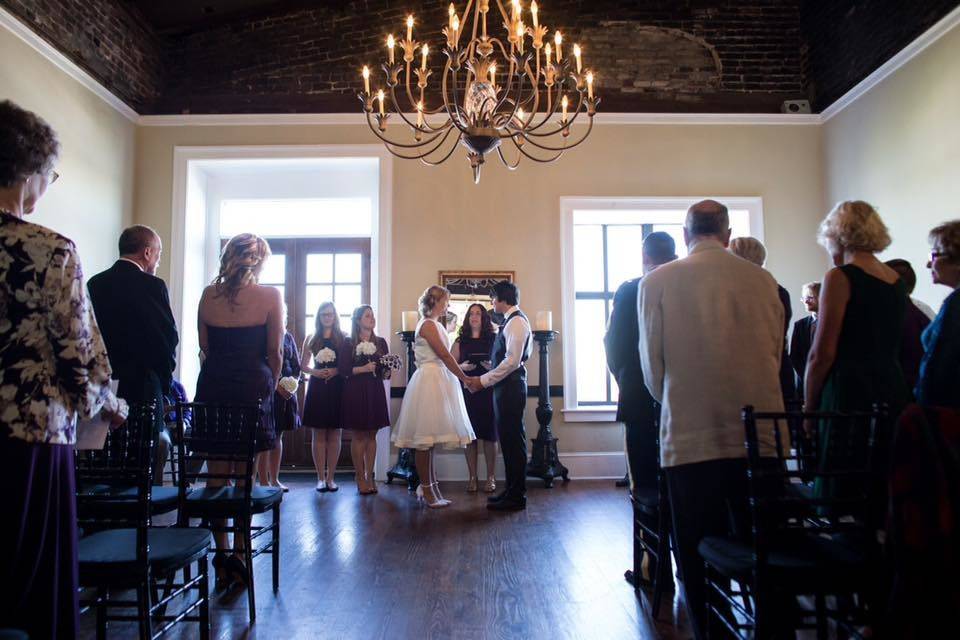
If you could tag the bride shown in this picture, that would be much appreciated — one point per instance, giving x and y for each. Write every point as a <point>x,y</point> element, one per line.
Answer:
<point>433,412</point>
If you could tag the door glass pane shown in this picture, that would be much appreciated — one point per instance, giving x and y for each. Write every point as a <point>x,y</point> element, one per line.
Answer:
<point>348,267</point>
<point>676,231</point>
<point>317,294</point>
<point>588,257</point>
<point>275,269</point>
<point>591,362</point>
<point>320,267</point>
<point>347,298</point>
<point>624,254</point>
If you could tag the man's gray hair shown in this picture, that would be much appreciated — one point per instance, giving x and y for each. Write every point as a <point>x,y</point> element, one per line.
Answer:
<point>707,218</point>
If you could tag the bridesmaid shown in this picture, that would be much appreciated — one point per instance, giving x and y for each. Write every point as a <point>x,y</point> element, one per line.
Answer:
<point>321,409</point>
<point>472,350</point>
<point>364,409</point>
<point>286,414</point>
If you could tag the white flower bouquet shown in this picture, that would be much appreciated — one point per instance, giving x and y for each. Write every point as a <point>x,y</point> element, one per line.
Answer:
<point>366,349</point>
<point>326,358</point>
<point>289,384</point>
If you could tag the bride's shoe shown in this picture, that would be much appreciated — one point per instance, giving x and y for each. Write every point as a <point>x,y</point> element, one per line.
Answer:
<point>491,485</point>
<point>433,502</point>
<point>472,485</point>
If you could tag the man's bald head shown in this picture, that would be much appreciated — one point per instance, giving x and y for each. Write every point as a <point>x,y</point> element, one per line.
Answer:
<point>707,219</point>
<point>142,245</point>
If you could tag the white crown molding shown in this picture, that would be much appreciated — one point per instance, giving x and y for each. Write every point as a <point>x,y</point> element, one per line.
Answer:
<point>48,51</point>
<point>912,50</point>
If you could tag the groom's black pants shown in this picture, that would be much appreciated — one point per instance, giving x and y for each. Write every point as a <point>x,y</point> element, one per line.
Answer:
<point>509,402</point>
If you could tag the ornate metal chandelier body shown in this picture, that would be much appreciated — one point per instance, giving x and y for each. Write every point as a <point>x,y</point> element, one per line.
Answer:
<point>522,91</point>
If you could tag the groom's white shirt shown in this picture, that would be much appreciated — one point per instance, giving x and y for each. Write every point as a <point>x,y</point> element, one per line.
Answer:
<point>517,332</point>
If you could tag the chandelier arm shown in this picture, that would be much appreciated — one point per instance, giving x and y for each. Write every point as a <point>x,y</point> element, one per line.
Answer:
<point>416,145</point>
<point>566,146</point>
<point>548,114</point>
<point>503,159</point>
<point>420,156</point>
<point>536,159</point>
<point>413,103</point>
<point>455,116</point>
<point>463,21</point>
<point>576,114</point>
<point>435,163</point>
<point>516,105</point>
<point>403,116</point>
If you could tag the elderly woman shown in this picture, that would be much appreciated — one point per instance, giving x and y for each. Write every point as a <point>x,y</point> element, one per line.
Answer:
<point>939,383</point>
<point>53,368</point>
<point>855,358</point>
<point>752,250</point>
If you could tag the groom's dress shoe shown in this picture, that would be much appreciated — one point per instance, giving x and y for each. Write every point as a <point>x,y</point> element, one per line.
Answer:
<point>497,498</point>
<point>508,504</point>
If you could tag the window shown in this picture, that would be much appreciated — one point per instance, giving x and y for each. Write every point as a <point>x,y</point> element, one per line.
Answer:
<point>602,239</point>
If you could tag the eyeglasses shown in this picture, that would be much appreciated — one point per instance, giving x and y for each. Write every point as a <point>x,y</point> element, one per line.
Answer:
<point>54,176</point>
<point>938,254</point>
<point>809,298</point>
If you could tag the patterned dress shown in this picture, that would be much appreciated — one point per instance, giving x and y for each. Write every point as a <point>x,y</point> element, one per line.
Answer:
<point>53,369</point>
<point>286,411</point>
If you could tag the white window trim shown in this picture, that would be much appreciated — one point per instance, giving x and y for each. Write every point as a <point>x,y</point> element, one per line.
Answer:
<point>568,204</point>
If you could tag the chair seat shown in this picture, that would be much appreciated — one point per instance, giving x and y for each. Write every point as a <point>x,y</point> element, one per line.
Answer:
<point>804,564</point>
<point>162,499</point>
<point>646,498</point>
<point>111,555</point>
<point>225,501</point>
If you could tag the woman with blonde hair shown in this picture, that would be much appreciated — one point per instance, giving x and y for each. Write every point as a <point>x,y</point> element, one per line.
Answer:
<point>321,409</point>
<point>363,409</point>
<point>241,328</point>
<point>433,411</point>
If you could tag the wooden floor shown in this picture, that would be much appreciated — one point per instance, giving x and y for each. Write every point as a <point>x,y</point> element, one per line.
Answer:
<point>370,567</point>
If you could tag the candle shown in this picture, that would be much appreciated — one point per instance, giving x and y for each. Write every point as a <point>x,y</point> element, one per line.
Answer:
<point>520,116</point>
<point>410,320</point>
<point>493,76</point>
<point>456,29</point>
<point>390,44</point>
<point>549,51</point>
<point>576,54</point>
<point>520,31</point>
<point>410,27</point>
<point>380,98</point>
<point>564,103</point>
<point>420,114</point>
<point>543,321</point>
<point>451,11</point>
<point>590,84</point>
<point>533,11</point>
<point>425,50</point>
<point>366,79</point>
<point>516,8</point>
<point>558,40</point>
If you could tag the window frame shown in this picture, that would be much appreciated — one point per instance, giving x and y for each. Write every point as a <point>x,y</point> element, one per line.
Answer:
<point>592,412</point>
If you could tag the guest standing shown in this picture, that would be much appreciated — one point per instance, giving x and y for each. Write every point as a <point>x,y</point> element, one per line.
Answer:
<point>711,339</point>
<point>321,410</point>
<point>939,383</point>
<point>53,369</point>
<point>855,359</point>
<point>286,413</point>
<point>915,322</point>
<point>753,250</point>
<point>803,331</point>
<point>364,408</point>
<point>241,333</point>
<point>472,350</point>
<point>905,269</point>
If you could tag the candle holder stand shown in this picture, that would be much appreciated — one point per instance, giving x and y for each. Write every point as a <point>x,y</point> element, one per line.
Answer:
<point>406,468</point>
<point>545,461</point>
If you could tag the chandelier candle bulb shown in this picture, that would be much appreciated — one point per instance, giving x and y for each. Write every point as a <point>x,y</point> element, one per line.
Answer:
<point>564,103</point>
<point>456,30</point>
<point>543,321</point>
<point>493,76</point>
<point>576,54</point>
<point>549,50</point>
<point>410,27</point>
<point>390,44</point>
<point>366,79</point>
<point>425,50</point>
<point>533,12</point>
<point>520,31</point>
<point>410,320</point>
<point>451,12</point>
<point>558,40</point>
<point>590,84</point>
<point>420,115</point>
<point>380,98</point>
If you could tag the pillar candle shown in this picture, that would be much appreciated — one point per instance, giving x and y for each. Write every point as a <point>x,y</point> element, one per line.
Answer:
<point>543,321</point>
<point>410,320</point>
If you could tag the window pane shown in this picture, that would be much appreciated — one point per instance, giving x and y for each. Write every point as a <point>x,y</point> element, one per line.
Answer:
<point>319,267</point>
<point>591,324</point>
<point>317,294</point>
<point>624,254</point>
<point>588,257</point>
<point>676,231</point>
<point>348,267</point>
<point>347,298</point>
<point>275,270</point>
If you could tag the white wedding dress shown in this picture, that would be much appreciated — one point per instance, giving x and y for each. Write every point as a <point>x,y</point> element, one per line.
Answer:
<point>433,412</point>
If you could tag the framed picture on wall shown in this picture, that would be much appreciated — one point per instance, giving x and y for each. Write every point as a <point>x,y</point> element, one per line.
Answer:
<point>470,287</point>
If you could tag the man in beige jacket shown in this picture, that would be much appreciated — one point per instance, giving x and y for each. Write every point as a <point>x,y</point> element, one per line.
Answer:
<point>711,337</point>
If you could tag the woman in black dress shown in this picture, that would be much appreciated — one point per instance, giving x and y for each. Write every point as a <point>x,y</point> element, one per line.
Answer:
<point>286,412</point>
<point>364,409</point>
<point>321,409</point>
<point>241,337</point>
<point>472,350</point>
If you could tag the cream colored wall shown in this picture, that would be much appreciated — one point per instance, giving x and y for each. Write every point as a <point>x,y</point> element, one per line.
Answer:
<point>898,147</point>
<point>441,220</point>
<point>92,201</point>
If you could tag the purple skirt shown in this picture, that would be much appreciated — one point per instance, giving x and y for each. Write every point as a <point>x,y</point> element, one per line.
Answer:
<point>321,409</point>
<point>364,405</point>
<point>38,565</point>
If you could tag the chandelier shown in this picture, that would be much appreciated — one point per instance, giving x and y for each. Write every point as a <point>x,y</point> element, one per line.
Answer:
<point>523,92</point>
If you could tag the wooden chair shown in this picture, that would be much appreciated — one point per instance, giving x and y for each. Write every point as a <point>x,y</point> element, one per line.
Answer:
<point>121,550</point>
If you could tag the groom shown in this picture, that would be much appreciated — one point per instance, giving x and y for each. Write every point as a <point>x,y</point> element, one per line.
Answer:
<point>509,381</point>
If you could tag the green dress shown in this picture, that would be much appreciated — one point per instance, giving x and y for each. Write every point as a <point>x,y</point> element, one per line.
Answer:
<point>866,372</point>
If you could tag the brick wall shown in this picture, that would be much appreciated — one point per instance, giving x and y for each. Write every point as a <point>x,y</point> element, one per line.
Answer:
<point>846,40</point>
<point>102,37</point>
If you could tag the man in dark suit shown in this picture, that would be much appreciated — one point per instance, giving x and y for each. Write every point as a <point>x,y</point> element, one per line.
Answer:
<point>803,331</point>
<point>132,307</point>
<point>635,406</point>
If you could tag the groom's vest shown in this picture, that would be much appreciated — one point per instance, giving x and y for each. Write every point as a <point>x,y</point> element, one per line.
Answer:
<point>499,352</point>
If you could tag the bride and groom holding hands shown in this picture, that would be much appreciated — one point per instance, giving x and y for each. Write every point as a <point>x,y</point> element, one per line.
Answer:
<point>433,411</point>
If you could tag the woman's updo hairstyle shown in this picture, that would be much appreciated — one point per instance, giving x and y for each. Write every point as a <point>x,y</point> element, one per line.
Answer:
<point>28,145</point>
<point>241,262</point>
<point>431,298</point>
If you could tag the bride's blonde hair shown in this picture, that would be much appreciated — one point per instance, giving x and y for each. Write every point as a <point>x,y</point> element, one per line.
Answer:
<point>431,298</point>
<point>241,262</point>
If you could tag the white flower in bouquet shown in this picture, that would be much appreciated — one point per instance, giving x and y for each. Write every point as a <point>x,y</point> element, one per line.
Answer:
<point>289,384</point>
<point>326,356</point>
<point>366,349</point>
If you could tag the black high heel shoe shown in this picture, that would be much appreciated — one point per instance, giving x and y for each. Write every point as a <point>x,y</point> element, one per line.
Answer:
<point>222,579</point>
<point>238,571</point>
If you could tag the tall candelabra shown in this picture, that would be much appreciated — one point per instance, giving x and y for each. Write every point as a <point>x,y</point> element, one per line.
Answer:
<point>545,461</point>
<point>491,91</point>
<point>406,467</point>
